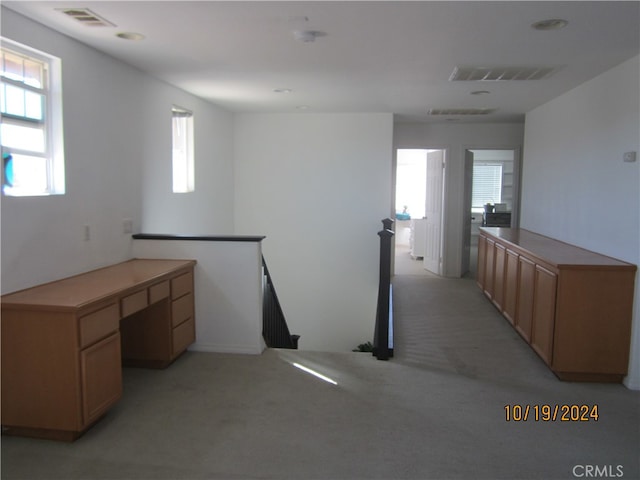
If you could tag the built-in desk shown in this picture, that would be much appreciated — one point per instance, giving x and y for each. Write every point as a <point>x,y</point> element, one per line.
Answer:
<point>64,342</point>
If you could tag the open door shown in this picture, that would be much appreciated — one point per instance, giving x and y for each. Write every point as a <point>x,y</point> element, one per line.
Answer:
<point>433,211</point>
<point>468,214</point>
<point>497,183</point>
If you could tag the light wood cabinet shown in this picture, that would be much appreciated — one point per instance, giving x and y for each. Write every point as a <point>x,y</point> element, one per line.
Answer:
<point>544,313</point>
<point>511,286</point>
<point>101,377</point>
<point>573,306</point>
<point>500,253</point>
<point>482,261</point>
<point>524,297</point>
<point>489,267</point>
<point>64,342</point>
<point>183,331</point>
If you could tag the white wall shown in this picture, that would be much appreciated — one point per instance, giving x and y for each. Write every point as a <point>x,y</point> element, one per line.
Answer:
<point>228,291</point>
<point>117,146</point>
<point>576,188</point>
<point>456,139</point>
<point>317,185</point>
<point>209,208</point>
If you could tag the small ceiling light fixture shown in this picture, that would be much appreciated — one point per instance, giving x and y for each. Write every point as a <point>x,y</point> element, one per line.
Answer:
<point>136,37</point>
<point>307,36</point>
<point>550,24</point>
<point>480,92</point>
<point>282,90</point>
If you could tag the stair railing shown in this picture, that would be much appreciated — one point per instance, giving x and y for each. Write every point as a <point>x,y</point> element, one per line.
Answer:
<point>383,336</point>
<point>275,330</point>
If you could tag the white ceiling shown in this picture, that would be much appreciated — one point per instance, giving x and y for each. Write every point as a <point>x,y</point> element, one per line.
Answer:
<point>382,56</point>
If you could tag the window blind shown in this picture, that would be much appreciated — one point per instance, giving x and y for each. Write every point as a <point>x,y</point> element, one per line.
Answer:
<point>487,185</point>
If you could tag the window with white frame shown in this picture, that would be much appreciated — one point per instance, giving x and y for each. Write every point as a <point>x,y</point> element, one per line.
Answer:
<point>31,129</point>
<point>487,185</point>
<point>183,155</point>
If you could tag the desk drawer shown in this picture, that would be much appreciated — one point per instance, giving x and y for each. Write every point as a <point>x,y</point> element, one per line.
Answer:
<point>134,303</point>
<point>183,336</point>
<point>159,291</point>
<point>99,324</point>
<point>181,285</point>
<point>181,309</point>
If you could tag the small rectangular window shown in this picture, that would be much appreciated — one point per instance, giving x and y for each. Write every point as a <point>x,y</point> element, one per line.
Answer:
<point>31,129</point>
<point>487,185</point>
<point>183,155</point>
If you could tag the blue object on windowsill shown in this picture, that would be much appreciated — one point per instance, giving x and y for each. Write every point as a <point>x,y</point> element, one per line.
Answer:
<point>7,176</point>
<point>403,216</point>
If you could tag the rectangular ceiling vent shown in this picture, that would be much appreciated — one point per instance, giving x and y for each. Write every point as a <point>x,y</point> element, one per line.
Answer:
<point>499,74</point>
<point>461,111</point>
<point>86,17</point>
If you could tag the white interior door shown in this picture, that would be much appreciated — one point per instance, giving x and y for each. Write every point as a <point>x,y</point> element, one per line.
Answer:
<point>433,212</point>
<point>466,233</point>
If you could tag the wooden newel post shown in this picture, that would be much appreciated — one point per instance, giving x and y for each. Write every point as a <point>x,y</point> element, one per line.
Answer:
<point>381,336</point>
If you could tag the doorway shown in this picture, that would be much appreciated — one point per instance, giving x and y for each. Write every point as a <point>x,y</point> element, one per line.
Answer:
<point>491,180</point>
<point>419,204</point>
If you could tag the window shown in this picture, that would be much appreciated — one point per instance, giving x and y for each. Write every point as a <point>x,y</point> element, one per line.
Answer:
<point>183,163</point>
<point>487,185</point>
<point>31,128</point>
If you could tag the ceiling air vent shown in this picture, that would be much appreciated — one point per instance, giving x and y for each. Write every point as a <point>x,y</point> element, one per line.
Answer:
<point>499,74</point>
<point>86,17</point>
<point>461,111</point>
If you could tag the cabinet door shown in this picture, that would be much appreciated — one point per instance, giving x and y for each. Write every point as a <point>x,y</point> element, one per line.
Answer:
<point>511,286</point>
<point>498,275</point>
<point>489,268</point>
<point>544,313</point>
<point>101,377</point>
<point>526,286</point>
<point>482,253</point>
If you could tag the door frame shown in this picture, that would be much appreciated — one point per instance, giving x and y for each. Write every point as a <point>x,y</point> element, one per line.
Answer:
<point>468,187</point>
<point>443,246</point>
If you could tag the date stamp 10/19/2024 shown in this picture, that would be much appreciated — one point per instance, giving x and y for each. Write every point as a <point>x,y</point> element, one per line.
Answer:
<point>551,413</point>
<point>565,413</point>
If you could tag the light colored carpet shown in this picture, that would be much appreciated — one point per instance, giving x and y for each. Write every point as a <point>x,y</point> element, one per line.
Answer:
<point>435,411</point>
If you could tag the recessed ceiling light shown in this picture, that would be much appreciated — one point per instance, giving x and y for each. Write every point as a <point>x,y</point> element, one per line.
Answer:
<point>130,36</point>
<point>282,90</point>
<point>480,92</point>
<point>551,24</point>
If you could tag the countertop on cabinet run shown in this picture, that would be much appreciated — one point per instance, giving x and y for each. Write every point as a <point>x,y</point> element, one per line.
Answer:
<point>553,251</point>
<point>78,290</point>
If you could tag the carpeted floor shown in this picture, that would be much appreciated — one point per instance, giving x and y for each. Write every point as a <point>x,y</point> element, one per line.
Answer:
<point>434,411</point>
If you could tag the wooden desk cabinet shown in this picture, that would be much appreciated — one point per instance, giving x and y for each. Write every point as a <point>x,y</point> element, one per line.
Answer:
<point>573,306</point>
<point>64,342</point>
